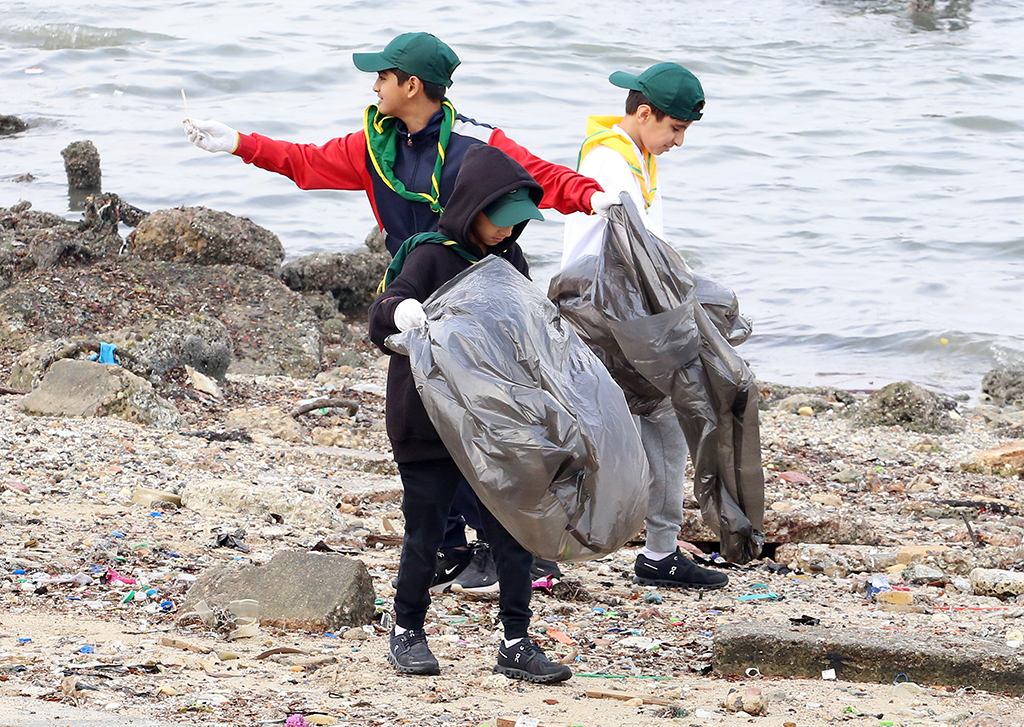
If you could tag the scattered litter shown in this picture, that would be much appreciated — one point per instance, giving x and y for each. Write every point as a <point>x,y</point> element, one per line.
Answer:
<point>758,592</point>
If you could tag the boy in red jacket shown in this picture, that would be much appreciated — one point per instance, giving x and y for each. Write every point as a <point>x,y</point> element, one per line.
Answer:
<point>409,151</point>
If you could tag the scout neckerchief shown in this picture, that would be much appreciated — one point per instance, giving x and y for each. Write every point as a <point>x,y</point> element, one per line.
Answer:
<point>600,133</point>
<point>381,144</point>
<point>415,241</point>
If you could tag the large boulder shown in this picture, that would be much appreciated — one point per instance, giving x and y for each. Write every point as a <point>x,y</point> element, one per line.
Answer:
<point>75,388</point>
<point>907,405</point>
<point>206,237</point>
<point>307,591</point>
<point>271,329</point>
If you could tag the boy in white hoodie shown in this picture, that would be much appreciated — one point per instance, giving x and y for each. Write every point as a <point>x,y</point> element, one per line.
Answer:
<point>620,153</point>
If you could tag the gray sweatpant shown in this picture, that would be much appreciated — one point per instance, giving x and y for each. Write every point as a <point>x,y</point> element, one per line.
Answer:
<point>666,451</point>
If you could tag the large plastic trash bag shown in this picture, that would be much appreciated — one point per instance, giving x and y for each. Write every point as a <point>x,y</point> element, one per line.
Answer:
<point>529,414</point>
<point>636,303</point>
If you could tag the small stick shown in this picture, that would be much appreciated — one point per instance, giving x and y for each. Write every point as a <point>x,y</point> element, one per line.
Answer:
<point>188,116</point>
<point>970,532</point>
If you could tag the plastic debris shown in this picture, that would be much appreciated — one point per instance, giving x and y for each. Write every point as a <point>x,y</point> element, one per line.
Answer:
<point>760,592</point>
<point>876,585</point>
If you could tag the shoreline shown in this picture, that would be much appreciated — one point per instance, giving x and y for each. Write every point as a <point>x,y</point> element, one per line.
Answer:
<point>844,504</point>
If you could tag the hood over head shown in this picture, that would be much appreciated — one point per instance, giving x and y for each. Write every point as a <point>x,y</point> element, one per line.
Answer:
<point>486,174</point>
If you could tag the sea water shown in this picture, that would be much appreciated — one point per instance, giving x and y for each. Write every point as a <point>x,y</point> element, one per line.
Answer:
<point>857,178</point>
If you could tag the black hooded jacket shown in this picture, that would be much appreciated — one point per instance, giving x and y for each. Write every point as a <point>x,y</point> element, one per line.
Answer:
<point>486,174</point>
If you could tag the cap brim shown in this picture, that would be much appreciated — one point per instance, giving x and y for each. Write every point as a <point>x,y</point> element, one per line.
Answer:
<point>624,80</point>
<point>371,62</point>
<point>511,214</point>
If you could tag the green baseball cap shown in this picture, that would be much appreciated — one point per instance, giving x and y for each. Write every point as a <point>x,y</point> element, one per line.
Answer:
<point>512,208</point>
<point>418,54</point>
<point>669,86</point>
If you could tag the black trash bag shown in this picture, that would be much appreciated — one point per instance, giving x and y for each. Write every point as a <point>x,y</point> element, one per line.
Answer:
<point>531,417</point>
<point>636,303</point>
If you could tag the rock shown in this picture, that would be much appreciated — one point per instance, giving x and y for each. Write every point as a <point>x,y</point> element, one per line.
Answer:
<point>206,237</point>
<point>245,498</point>
<point>773,394</point>
<point>827,499</point>
<point>200,342</point>
<point>918,574</point>
<point>895,598</point>
<point>30,240</point>
<point>30,366</point>
<point>1006,459</point>
<point>1004,385</point>
<point>11,125</point>
<point>907,405</point>
<point>750,700</point>
<point>88,389</point>
<point>352,278</point>
<point>82,165</point>
<point>803,525</point>
<point>836,561</point>
<point>999,583</point>
<point>271,330</point>
<point>842,560</point>
<point>269,418</point>
<point>296,590</point>
<point>867,655</point>
<point>806,404</point>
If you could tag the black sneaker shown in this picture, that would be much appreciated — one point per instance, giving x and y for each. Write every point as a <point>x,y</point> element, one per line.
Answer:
<point>447,567</point>
<point>409,653</point>
<point>450,563</point>
<point>542,568</point>
<point>677,571</point>
<point>481,575</point>
<point>526,660</point>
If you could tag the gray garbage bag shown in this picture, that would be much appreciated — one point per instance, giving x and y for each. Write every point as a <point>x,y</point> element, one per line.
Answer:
<point>531,417</point>
<point>636,304</point>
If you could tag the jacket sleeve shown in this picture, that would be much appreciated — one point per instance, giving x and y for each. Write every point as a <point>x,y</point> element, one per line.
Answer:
<point>564,189</point>
<point>415,281</point>
<point>338,164</point>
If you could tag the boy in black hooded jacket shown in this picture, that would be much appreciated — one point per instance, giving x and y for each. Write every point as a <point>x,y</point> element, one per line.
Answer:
<point>492,201</point>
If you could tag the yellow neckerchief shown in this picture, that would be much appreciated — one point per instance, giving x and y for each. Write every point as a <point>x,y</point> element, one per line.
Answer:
<point>600,133</point>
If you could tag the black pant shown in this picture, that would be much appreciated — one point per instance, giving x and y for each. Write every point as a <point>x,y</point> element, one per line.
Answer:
<point>429,489</point>
<point>465,511</point>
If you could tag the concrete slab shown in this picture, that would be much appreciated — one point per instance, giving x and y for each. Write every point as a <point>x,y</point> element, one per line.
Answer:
<point>28,712</point>
<point>863,655</point>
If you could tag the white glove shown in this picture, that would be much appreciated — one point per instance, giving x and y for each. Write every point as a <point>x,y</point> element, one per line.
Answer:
<point>601,202</point>
<point>409,314</point>
<point>211,135</point>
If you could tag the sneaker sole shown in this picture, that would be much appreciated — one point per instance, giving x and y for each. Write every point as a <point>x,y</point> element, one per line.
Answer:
<point>478,591</point>
<point>528,677</point>
<point>679,584</point>
<point>413,670</point>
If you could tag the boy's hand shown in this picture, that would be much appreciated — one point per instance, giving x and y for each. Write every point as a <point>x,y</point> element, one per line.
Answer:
<point>601,202</point>
<point>409,314</point>
<point>211,136</point>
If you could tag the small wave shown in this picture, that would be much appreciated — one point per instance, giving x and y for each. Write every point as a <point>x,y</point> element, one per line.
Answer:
<point>69,36</point>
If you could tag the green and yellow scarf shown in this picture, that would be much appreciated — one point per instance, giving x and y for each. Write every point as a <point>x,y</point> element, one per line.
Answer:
<point>600,133</point>
<point>381,144</point>
<point>423,238</point>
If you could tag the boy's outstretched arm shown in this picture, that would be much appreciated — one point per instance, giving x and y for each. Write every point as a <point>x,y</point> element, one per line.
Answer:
<point>338,164</point>
<point>564,190</point>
